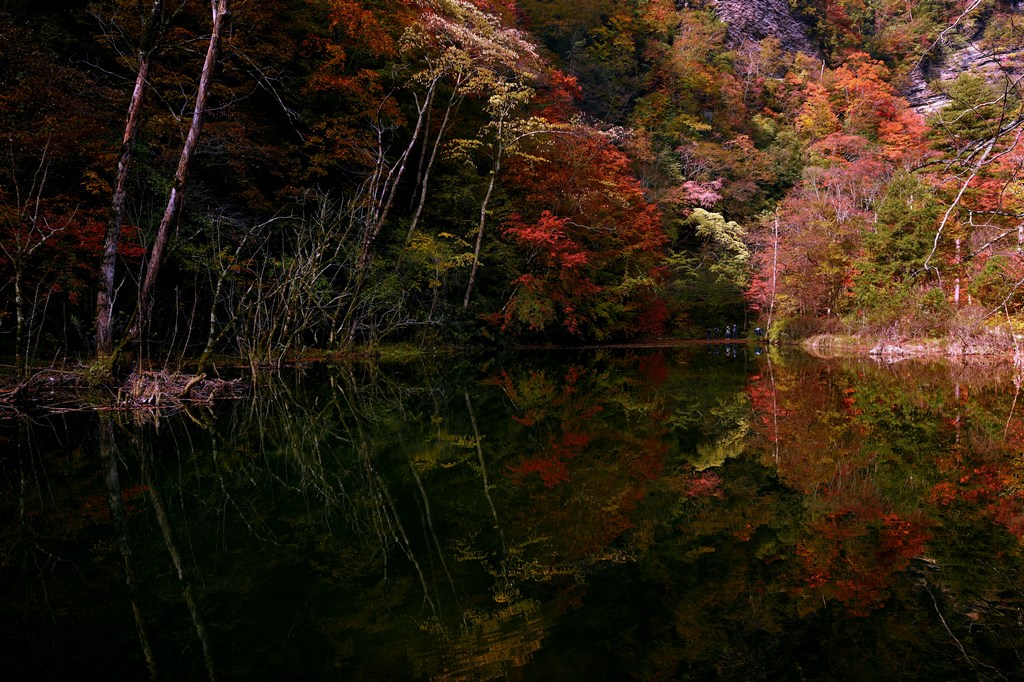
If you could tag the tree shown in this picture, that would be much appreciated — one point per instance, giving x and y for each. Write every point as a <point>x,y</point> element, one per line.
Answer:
<point>26,229</point>
<point>887,286</point>
<point>153,28</point>
<point>508,133</point>
<point>593,256</point>
<point>817,118</point>
<point>981,130</point>
<point>51,160</point>
<point>713,273</point>
<point>219,9</point>
<point>765,272</point>
<point>816,253</point>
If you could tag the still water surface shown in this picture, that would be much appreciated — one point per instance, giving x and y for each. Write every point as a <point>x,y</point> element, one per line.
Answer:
<point>662,514</point>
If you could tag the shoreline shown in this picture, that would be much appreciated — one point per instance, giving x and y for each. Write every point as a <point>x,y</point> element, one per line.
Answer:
<point>988,348</point>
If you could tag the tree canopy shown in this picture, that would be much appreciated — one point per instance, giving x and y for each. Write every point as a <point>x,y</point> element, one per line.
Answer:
<point>462,170</point>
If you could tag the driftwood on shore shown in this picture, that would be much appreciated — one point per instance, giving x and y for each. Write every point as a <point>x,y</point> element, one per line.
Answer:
<point>40,386</point>
<point>163,388</point>
<point>63,390</point>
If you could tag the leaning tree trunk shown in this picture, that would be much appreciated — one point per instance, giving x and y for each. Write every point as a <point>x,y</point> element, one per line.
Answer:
<point>151,35</point>
<point>480,231</point>
<point>177,196</point>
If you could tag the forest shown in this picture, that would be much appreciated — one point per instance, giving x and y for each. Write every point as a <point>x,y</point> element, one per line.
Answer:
<point>272,178</point>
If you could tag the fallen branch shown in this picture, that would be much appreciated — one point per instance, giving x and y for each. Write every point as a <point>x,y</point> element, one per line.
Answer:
<point>188,387</point>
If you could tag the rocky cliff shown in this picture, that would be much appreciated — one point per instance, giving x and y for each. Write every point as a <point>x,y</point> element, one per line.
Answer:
<point>961,49</point>
<point>757,19</point>
<point>961,52</point>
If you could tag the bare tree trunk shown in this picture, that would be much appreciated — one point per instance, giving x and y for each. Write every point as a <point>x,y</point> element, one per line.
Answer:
<point>775,270</point>
<point>424,176</point>
<point>480,231</point>
<point>383,195</point>
<point>151,35</point>
<point>20,352</point>
<point>184,579</point>
<point>502,146</point>
<point>956,285</point>
<point>381,190</point>
<point>483,471</point>
<point>176,199</point>
<point>120,518</point>
<point>212,336</point>
<point>30,233</point>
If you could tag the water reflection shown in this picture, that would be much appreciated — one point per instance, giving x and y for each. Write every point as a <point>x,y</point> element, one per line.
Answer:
<point>666,513</point>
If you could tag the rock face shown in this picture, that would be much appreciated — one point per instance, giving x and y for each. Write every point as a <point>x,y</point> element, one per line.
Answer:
<point>960,50</point>
<point>964,48</point>
<point>757,19</point>
<point>995,65</point>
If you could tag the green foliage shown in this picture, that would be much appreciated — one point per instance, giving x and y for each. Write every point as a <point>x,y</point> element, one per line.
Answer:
<point>727,254</point>
<point>710,278</point>
<point>997,281</point>
<point>887,288</point>
<point>975,111</point>
<point>906,218</point>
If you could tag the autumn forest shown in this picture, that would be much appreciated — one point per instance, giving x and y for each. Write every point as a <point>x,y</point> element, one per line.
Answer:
<point>267,178</point>
<point>512,339</point>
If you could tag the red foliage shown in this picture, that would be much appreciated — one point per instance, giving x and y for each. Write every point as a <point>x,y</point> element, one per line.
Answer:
<point>595,247</point>
<point>580,461</point>
<point>551,469</point>
<point>654,369</point>
<point>347,80</point>
<point>559,98</point>
<point>856,556</point>
<point>706,484</point>
<point>766,406</point>
<point>549,238</point>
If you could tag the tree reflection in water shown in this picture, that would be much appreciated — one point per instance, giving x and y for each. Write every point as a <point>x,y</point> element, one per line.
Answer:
<point>661,513</point>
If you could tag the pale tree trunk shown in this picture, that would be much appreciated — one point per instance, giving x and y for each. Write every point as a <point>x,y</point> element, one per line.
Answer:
<point>503,147</point>
<point>956,285</point>
<point>483,471</point>
<point>152,32</point>
<point>385,184</point>
<point>188,590</point>
<point>20,354</point>
<point>31,233</point>
<point>115,499</point>
<point>480,231</point>
<point>424,176</point>
<point>499,149</point>
<point>775,273</point>
<point>177,196</point>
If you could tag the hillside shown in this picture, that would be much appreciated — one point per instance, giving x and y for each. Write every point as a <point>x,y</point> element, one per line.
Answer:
<point>351,173</point>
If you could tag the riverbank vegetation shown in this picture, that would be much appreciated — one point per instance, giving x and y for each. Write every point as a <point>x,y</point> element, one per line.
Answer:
<point>182,179</point>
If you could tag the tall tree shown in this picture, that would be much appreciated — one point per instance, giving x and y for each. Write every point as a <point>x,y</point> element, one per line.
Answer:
<point>152,32</point>
<point>219,9</point>
<point>502,107</point>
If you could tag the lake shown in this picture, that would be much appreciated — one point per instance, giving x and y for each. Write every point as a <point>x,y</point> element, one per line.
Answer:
<point>701,512</point>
